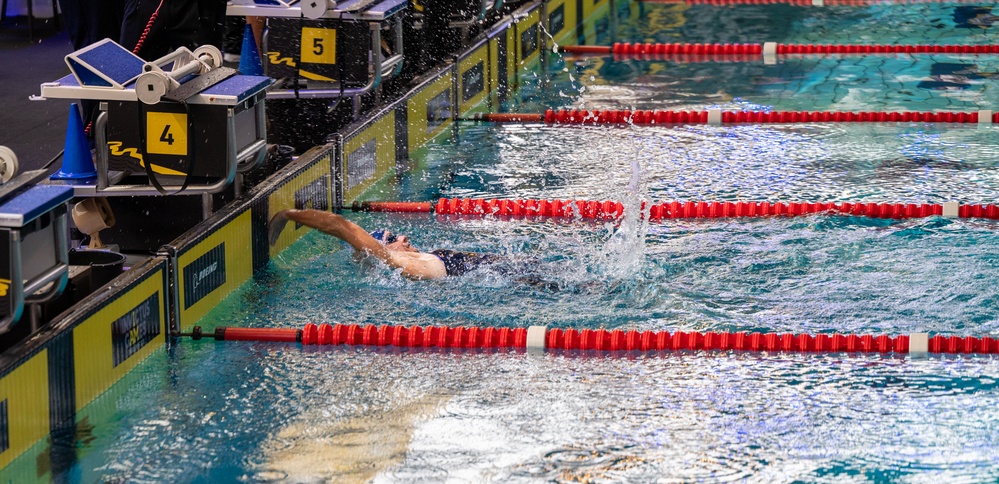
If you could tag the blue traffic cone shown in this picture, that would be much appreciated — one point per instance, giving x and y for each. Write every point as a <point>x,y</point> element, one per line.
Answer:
<point>249,55</point>
<point>77,163</point>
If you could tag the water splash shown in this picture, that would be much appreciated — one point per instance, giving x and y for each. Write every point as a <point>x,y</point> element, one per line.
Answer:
<point>624,250</point>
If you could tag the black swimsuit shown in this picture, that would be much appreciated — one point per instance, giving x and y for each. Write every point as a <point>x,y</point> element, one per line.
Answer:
<point>457,263</point>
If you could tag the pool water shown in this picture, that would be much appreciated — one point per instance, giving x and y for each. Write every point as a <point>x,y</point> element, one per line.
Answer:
<point>262,412</point>
<point>918,23</point>
<point>256,412</point>
<point>357,414</point>
<point>799,83</point>
<point>900,163</point>
<point>815,274</point>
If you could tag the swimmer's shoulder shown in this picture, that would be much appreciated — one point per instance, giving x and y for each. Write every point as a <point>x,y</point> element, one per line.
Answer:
<point>420,265</point>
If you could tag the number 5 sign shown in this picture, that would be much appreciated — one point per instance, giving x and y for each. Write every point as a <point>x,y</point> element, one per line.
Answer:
<point>318,45</point>
<point>166,134</point>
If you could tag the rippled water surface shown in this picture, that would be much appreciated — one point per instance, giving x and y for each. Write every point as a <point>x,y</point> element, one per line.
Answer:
<point>257,412</point>
<point>356,414</point>
<point>792,83</point>
<point>821,162</point>
<point>253,412</point>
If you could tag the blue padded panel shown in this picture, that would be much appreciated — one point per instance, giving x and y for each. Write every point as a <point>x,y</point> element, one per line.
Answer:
<point>32,203</point>
<point>239,87</point>
<point>86,76</point>
<point>111,60</point>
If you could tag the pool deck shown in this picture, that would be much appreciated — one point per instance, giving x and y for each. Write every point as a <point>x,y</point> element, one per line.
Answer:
<point>34,130</point>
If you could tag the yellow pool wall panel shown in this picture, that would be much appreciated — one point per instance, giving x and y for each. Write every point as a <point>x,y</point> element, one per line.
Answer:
<point>589,8</point>
<point>511,58</point>
<point>112,340</point>
<point>33,465</point>
<point>476,79</point>
<point>561,18</point>
<point>368,156</point>
<point>592,28</point>
<point>24,407</point>
<point>527,31</point>
<point>428,111</point>
<point>311,188</point>
<point>494,94</point>
<point>213,268</point>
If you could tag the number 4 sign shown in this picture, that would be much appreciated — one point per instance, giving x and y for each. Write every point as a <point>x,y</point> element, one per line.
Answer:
<point>166,134</point>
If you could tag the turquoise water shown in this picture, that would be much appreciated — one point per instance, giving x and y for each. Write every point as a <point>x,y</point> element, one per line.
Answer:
<point>806,83</point>
<point>827,163</point>
<point>224,412</point>
<point>811,274</point>
<point>507,417</point>
<point>963,83</point>
<point>256,412</point>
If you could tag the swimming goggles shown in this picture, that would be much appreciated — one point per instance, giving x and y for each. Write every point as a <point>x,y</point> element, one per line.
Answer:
<point>384,236</point>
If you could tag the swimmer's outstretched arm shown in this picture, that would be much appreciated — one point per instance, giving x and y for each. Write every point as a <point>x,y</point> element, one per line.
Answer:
<point>413,265</point>
<point>332,224</point>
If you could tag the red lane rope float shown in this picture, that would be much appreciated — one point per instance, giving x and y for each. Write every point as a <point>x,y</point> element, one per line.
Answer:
<point>539,337</point>
<point>717,116</point>
<point>811,3</point>
<point>610,210</point>
<point>702,117</point>
<point>746,52</point>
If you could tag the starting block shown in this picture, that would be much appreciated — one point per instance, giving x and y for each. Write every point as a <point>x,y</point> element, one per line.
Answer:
<point>322,44</point>
<point>267,3</point>
<point>34,253</point>
<point>180,123</point>
<point>466,13</point>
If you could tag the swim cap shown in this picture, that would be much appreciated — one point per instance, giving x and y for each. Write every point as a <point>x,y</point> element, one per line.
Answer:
<point>383,236</point>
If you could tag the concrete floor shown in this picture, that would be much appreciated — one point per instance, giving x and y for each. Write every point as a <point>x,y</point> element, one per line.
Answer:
<point>34,130</point>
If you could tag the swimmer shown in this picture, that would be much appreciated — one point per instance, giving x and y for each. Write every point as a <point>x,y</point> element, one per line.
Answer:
<point>974,17</point>
<point>394,250</point>
<point>953,76</point>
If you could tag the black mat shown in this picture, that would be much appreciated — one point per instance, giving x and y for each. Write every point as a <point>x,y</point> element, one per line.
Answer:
<point>34,130</point>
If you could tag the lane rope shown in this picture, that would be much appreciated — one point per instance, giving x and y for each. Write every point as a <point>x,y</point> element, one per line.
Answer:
<point>543,338</point>
<point>719,117</point>
<point>611,210</point>
<point>813,3</point>
<point>767,51</point>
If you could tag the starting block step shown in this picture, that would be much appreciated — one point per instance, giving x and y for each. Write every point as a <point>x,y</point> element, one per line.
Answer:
<point>30,204</point>
<point>104,64</point>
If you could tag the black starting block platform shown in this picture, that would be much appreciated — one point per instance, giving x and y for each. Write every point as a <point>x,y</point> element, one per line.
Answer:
<point>361,10</point>
<point>180,123</point>
<point>323,49</point>
<point>33,248</point>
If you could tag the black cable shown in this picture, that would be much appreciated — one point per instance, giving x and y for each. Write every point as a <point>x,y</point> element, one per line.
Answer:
<point>53,160</point>
<point>148,165</point>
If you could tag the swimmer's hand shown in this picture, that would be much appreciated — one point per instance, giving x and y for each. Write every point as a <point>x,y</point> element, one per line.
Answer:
<point>275,226</point>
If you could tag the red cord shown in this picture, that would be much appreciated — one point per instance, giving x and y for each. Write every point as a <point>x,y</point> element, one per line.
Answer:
<point>138,45</point>
<point>149,26</point>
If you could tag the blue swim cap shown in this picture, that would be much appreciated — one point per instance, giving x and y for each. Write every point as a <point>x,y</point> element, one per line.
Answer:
<point>383,236</point>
